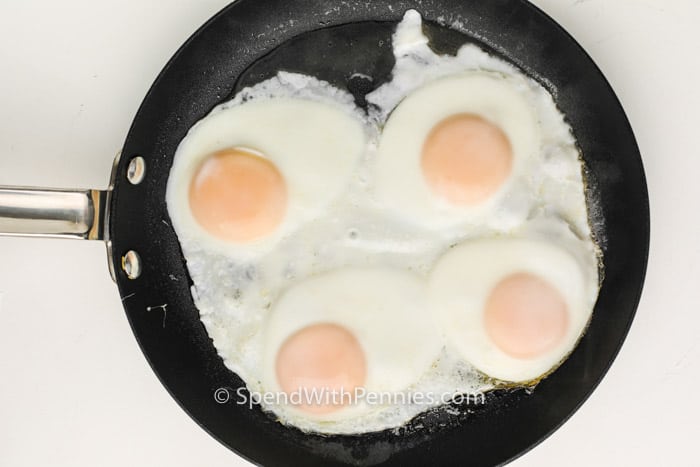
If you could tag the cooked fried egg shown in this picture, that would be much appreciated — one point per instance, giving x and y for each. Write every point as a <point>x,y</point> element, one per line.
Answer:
<point>252,171</point>
<point>457,142</point>
<point>329,333</point>
<point>513,307</point>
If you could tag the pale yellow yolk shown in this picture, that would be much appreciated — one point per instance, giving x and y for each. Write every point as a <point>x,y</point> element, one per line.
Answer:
<point>321,358</point>
<point>466,159</point>
<point>238,196</point>
<point>525,316</point>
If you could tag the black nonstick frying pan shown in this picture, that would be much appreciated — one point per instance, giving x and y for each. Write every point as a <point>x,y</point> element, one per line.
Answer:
<point>252,40</point>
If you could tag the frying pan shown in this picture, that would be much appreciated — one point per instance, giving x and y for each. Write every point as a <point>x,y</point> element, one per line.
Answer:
<point>252,40</point>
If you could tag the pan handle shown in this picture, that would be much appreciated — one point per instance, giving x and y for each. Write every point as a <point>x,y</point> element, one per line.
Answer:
<point>53,213</point>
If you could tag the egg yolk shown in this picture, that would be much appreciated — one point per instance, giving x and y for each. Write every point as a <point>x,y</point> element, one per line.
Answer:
<point>466,159</point>
<point>318,360</point>
<point>525,316</point>
<point>238,196</point>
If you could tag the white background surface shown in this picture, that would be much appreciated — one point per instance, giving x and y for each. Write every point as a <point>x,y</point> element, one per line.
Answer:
<point>74,387</point>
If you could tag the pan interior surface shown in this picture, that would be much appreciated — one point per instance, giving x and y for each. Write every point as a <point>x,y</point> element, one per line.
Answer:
<point>338,42</point>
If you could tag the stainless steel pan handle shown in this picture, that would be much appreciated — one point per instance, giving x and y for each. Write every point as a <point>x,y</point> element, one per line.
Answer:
<point>56,213</point>
<point>52,213</point>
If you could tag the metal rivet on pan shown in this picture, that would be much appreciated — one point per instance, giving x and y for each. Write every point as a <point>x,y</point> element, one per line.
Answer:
<point>131,264</point>
<point>136,171</point>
